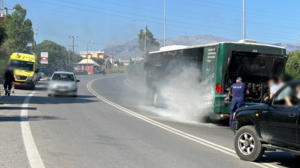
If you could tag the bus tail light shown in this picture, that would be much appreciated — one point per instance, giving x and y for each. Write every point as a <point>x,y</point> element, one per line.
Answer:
<point>219,87</point>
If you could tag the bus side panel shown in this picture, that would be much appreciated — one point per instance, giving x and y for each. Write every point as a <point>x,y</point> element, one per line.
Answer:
<point>221,64</point>
<point>209,73</point>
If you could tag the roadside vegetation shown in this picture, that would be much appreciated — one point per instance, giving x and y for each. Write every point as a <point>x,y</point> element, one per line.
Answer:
<point>293,64</point>
<point>16,34</point>
<point>136,68</point>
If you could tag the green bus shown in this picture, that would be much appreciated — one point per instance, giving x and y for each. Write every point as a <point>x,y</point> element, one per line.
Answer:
<point>218,66</point>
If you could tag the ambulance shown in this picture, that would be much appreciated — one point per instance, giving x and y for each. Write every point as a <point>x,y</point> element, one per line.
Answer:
<point>25,68</point>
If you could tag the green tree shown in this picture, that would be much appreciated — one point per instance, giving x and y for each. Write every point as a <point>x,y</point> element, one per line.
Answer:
<point>74,57</point>
<point>18,29</point>
<point>293,64</point>
<point>3,34</point>
<point>57,54</point>
<point>152,44</point>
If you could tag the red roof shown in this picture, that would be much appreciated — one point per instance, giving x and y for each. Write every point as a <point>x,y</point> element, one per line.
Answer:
<point>106,56</point>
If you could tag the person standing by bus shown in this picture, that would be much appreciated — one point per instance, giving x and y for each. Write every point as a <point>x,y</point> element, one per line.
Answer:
<point>13,81</point>
<point>9,78</point>
<point>238,92</point>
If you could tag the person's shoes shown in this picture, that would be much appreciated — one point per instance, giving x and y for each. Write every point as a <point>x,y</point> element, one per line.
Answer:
<point>5,93</point>
<point>8,94</point>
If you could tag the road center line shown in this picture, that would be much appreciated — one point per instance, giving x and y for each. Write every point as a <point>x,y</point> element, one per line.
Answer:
<point>32,152</point>
<point>131,86</point>
<point>173,130</point>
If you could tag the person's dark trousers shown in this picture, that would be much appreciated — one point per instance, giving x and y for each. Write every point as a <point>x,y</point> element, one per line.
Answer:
<point>7,86</point>
<point>234,106</point>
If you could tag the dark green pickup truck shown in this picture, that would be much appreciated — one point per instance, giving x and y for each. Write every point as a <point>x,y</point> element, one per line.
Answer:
<point>271,126</point>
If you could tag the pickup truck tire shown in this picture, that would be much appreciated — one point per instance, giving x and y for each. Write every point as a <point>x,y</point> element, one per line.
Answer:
<point>247,145</point>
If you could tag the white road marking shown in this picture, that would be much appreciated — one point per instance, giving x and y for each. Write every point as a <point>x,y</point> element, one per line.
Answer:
<point>132,87</point>
<point>32,152</point>
<point>173,130</point>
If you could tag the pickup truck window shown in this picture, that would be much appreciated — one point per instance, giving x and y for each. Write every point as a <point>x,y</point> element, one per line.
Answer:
<point>289,96</point>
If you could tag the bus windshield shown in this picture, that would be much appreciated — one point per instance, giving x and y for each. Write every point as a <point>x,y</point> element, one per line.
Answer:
<point>22,65</point>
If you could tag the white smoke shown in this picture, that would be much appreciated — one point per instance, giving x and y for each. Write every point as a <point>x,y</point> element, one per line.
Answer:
<point>185,96</point>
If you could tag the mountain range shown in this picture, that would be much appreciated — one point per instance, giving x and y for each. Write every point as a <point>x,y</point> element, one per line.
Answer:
<point>129,49</point>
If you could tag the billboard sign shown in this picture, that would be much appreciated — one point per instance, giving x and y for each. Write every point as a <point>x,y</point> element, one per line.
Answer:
<point>44,57</point>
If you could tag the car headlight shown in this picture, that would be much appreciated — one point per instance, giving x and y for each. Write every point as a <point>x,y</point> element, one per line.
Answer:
<point>73,87</point>
<point>29,78</point>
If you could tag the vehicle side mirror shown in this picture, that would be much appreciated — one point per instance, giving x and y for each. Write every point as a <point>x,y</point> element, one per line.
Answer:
<point>37,70</point>
<point>77,80</point>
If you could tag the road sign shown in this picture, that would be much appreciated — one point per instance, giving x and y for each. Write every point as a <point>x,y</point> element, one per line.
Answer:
<point>44,57</point>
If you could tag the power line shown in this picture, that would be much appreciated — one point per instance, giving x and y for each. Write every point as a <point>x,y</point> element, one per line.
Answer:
<point>124,23</point>
<point>248,32</point>
<point>177,26</point>
<point>151,17</point>
<point>202,26</point>
<point>133,14</point>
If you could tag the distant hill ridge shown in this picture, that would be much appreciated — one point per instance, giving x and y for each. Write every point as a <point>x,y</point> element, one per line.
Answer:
<point>129,49</point>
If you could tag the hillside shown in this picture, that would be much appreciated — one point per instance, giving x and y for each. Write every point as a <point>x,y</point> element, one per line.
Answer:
<point>290,46</point>
<point>129,49</point>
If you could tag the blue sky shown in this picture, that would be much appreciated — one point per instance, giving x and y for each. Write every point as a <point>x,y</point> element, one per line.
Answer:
<point>110,21</point>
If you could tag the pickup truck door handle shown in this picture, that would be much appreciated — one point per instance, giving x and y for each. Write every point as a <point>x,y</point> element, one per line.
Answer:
<point>292,115</point>
<point>264,111</point>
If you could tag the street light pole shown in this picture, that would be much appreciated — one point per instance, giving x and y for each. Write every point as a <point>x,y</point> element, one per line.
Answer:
<point>145,36</point>
<point>165,22</point>
<point>244,26</point>
<point>145,41</point>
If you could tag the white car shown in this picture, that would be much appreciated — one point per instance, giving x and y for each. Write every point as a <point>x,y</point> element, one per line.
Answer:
<point>62,83</point>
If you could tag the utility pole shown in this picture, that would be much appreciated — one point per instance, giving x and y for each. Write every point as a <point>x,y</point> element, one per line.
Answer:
<point>32,46</point>
<point>69,55</point>
<point>244,26</point>
<point>73,45</point>
<point>33,42</point>
<point>165,22</point>
<point>87,51</point>
<point>145,42</point>
<point>5,9</point>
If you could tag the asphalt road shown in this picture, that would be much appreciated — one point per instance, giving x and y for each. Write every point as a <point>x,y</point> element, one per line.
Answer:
<point>110,124</point>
